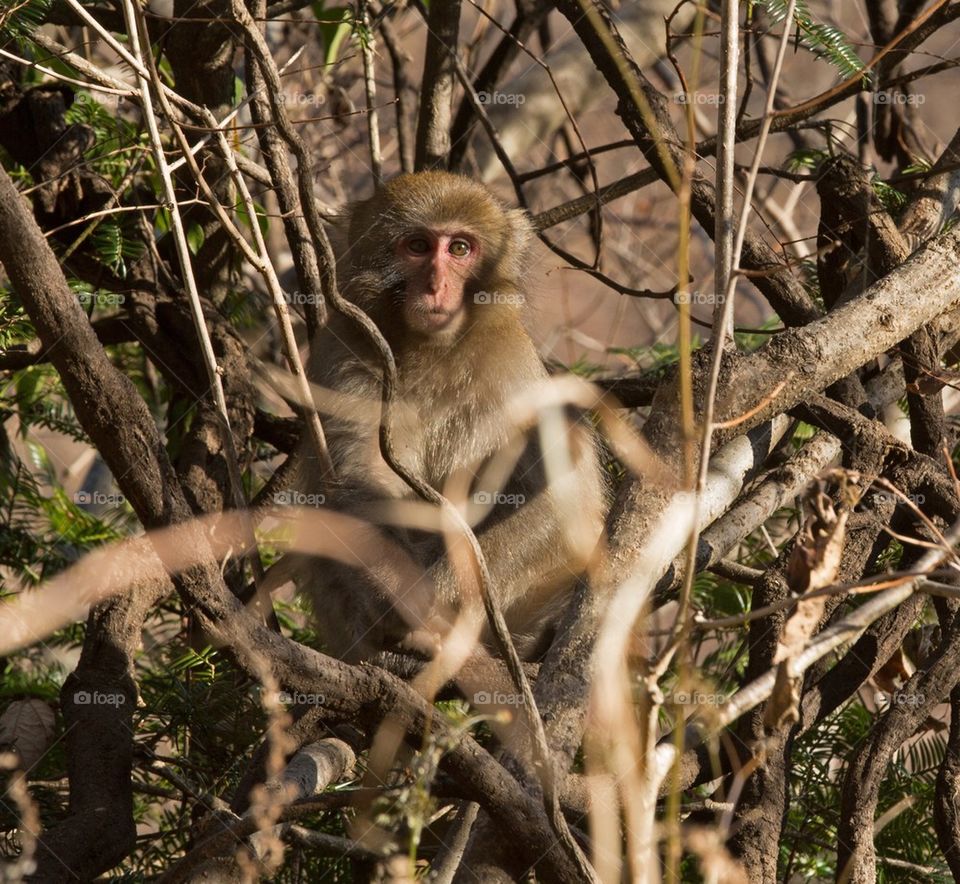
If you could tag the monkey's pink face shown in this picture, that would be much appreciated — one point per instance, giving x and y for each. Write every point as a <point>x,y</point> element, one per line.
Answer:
<point>436,265</point>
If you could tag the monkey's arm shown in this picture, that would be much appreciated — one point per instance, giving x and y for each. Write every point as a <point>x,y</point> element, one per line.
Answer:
<point>537,538</point>
<point>531,570</point>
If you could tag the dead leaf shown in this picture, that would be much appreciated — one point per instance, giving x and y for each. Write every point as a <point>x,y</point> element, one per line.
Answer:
<point>28,727</point>
<point>813,565</point>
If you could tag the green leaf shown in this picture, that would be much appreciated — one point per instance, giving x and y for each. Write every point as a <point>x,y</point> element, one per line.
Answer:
<point>805,158</point>
<point>891,198</point>
<point>335,25</point>
<point>824,41</point>
<point>161,222</point>
<point>23,19</point>
<point>107,241</point>
<point>195,238</point>
<point>239,90</point>
<point>26,387</point>
<point>260,211</point>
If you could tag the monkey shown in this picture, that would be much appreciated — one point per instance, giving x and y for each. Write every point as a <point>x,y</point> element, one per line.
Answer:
<point>437,262</point>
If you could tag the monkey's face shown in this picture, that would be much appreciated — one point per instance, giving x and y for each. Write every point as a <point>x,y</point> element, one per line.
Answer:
<point>436,264</point>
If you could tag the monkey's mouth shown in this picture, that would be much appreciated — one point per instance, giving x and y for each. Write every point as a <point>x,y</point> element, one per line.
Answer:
<point>435,319</point>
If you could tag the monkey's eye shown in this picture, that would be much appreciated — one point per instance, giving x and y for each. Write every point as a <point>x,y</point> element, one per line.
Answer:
<point>418,245</point>
<point>459,248</point>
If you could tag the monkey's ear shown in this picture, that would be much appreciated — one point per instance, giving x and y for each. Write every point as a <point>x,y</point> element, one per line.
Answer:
<point>517,242</point>
<point>522,226</point>
<point>336,226</point>
<point>340,221</point>
<point>353,229</point>
<point>338,229</point>
<point>358,225</point>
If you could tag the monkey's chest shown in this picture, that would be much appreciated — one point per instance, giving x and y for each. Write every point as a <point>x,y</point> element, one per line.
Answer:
<point>439,442</point>
<point>453,415</point>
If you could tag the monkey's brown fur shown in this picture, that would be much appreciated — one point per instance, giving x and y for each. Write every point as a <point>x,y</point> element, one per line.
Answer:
<point>453,391</point>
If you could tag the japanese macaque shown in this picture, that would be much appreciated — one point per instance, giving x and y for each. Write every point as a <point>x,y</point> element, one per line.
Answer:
<point>437,262</point>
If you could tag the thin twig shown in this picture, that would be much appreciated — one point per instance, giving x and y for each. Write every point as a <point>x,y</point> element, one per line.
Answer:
<point>63,78</point>
<point>370,88</point>
<point>402,89</point>
<point>726,142</point>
